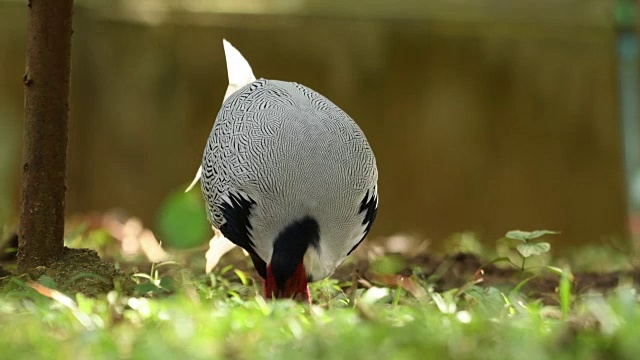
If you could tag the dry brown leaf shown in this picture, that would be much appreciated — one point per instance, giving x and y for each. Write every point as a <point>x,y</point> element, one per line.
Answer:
<point>63,299</point>
<point>151,247</point>
<point>409,284</point>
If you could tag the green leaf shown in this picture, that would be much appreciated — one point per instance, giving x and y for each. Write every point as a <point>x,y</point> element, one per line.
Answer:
<point>242,276</point>
<point>507,242</point>
<point>564,290</point>
<point>182,220</point>
<point>529,248</point>
<point>10,250</point>
<point>540,233</point>
<point>48,282</point>
<point>389,264</point>
<point>518,235</point>
<point>497,260</point>
<point>555,270</point>
<point>147,287</point>
<point>512,310</point>
<point>74,233</point>
<point>525,236</point>
<point>168,284</point>
<point>522,283</point>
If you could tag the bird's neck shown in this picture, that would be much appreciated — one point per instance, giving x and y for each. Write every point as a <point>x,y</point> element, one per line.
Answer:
<point>286,273</point>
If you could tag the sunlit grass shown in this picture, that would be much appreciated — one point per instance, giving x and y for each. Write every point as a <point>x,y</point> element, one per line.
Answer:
<point>178,312</point>
<point>222,316</point>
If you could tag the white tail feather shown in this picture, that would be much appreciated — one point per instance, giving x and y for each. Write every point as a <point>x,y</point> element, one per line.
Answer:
<point>195,179</point>
<point>238,69</point>
<point>218,247</point>
<point>240,74</point>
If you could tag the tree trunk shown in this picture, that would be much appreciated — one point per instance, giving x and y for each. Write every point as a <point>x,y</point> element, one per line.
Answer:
<point>46,83</point>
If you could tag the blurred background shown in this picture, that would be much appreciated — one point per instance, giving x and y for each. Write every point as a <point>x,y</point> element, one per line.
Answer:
<point>484,115</point>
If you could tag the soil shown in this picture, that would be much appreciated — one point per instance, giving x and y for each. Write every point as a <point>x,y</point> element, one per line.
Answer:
<point>448,272</point>
<point>82,271</point>
<point>454,271</point>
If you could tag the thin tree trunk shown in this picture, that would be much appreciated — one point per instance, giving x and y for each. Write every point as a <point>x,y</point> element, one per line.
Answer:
<point>45,132</point>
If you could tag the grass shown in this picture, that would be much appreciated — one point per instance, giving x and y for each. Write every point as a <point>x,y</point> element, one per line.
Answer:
<point>181,313</point>
<point>222,316</point>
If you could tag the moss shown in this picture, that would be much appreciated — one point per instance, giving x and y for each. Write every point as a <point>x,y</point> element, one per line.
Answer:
<point>82,271</point>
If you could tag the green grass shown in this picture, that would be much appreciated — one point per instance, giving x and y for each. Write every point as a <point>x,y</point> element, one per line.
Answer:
<point>223,317</point>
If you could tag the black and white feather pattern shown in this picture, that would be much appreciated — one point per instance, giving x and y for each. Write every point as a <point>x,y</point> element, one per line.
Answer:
<point>279,152</point>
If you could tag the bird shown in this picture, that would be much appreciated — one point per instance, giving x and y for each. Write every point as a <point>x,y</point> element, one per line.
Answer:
<point>287,176</point>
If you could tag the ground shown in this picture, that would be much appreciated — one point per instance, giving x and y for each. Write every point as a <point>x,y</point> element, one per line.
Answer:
<point>78,271</point>
<point>446,272</point>
<point>448,306</point>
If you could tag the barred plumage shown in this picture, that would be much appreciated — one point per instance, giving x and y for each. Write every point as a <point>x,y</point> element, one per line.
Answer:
<point>280,154</point>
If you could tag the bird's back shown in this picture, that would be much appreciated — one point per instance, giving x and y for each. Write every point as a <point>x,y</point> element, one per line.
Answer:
<point>282,151</point>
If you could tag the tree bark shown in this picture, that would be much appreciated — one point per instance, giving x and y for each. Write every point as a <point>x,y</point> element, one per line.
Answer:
<point>46,80</point>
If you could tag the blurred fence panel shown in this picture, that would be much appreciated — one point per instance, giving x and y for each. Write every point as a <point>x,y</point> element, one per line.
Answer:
<point>479,122</point>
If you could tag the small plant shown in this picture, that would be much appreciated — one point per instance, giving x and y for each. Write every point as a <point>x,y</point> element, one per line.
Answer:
<point>564,291</point>
<point>528,247</point>
<point>154,284</point>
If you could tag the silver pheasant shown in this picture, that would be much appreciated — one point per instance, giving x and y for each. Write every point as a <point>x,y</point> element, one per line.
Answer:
<point>289,177</point>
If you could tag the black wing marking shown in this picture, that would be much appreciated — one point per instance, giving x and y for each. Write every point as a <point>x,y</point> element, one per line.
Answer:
<point>259,264</point>
<point>370,207</point>
<point>237,225</point>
